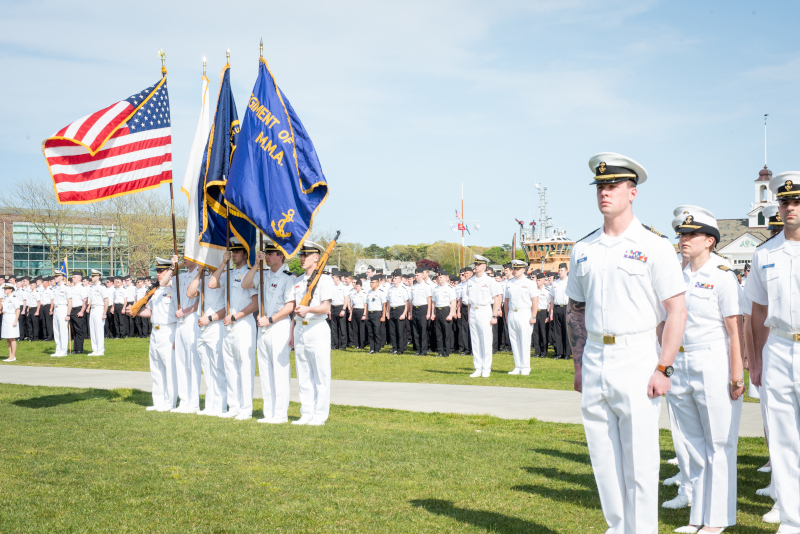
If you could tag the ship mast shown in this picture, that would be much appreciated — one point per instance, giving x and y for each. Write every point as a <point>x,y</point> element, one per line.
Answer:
<point>545,221</point>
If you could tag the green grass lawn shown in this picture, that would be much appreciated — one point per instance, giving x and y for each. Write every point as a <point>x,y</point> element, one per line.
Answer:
<point>75,460</point>
<point>131,355</point>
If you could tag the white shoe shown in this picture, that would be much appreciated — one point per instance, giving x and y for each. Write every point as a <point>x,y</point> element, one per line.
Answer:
<point>764,492</point>
<point>179,409</point>
<point>264,420</point>
<point>206,411</point>
<point>10,360</point>
<point>99,354</point>
<point>151,408</point>
<point>485,374</point>
<point>164,409</point>
<point>765,469</point>
<point>681,501</point>
<point>773,516</point>
<point>57,355</point>
<point>674,481</point>
<point>302,421</point>
<point>476,374</point>
<point>688,529</point>
<point>91,354</point>
<point>674,461</point>
<point>228,414</point>
<point>243,417</point>
<point>525,372</point>
<point>316,422</point>
<point>516,371</point>
<point>278,420</point>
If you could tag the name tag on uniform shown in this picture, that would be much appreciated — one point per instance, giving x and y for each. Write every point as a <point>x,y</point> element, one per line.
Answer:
<point>768,266</point>
<point>704,286</point>
<point>636,255</point>
<point>582,259</point>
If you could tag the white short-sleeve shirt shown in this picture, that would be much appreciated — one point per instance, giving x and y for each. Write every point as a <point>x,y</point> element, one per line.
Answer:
<point>278,290</point>
<point>711,295</point>
<point>442,295</point>
<point>774,282</point>
<point>164,304</point>
<point>375,300</point>
<point>323,292</point>
<point>420,294</point>
<point>397,296</point>
<point>520,293</point>
<point>481,290</point>
<point>623,279</point>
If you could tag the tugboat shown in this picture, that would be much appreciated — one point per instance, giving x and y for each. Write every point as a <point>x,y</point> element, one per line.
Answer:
<point>545,246</point>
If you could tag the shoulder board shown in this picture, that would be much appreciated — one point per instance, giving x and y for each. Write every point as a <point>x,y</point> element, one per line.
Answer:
<point>651,229</point>
<point>587,235</point>
<point>286,271</point>
<point>765,242</point>
<point>724,268</point>
<point>720,255</point>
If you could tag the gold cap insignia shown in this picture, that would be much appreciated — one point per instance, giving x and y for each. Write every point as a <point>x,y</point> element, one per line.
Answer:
<point>788,185</point>
<point>688,220</point>
<point>602,167</point>
<point>778,217</point>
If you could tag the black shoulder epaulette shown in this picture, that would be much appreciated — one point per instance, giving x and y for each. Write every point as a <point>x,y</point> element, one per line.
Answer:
<point>587,235</point>
<point>720,255</point>
<point>765,242</point>
<point>287,271</point>
<point>724,268</point>
<point>651,229</point>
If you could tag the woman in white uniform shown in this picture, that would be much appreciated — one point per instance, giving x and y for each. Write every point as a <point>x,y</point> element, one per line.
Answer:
<point>10,307</point>
<point>708,381</point>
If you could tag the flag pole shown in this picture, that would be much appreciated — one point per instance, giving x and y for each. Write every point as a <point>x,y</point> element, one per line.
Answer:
<point>261,274</point>
<point>227,230</point>
<point>463,247</point>
<point>163,57</point>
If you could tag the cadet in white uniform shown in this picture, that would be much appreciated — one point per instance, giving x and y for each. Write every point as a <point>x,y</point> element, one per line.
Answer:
<point>238,343</point>
<point>709,376</point>
<point>484,297</point>
<point>161,310</point>
<point>445,300</point>
<point>376,313</point>
<point>358,315</point>
<point>421,304</point>
<point>521,306</point>
<point>10,308</point>
<point>773,286</point>
<point>312,341</point>
<point>60,311</point>
<point>398,298</point>
<point>209,342</point>
<point>98,303</point>
<point>187,358</point>
<point>618,276</point>
<point>274,330</point>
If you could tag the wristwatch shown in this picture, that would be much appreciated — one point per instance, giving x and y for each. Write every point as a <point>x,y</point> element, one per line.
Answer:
<point>233,317</point>
<point>738,383</point>
<point>270,320</point>
<point>667,370</point>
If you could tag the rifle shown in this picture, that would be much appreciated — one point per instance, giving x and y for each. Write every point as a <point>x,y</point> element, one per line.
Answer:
<point>312,283</point>
<point>142,302</point>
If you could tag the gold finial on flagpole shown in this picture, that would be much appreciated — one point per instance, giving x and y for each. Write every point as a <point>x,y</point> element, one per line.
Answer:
<point>163,58</point>
<point>261,48</point>
<point>228,55</point>
<point>204,64</point>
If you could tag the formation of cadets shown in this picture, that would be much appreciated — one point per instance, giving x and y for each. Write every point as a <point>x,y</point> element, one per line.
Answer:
<point>643,325</point>
<point>61,309</point>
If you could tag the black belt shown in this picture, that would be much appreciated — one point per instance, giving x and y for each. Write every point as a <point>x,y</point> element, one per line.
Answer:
<point>421,305</point>
<point>441,307</point>
<point>560,305</point>
<point>395,307</point>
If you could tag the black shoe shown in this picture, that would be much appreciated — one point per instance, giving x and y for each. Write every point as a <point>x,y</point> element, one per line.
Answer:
<point>445,355</point>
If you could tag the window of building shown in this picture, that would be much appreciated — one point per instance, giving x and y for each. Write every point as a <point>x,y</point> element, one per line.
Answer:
<point>761,220</point>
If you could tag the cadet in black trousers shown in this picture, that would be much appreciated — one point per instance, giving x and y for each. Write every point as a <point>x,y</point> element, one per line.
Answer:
<point>421,297</point>
<point>444,298</point>
<point>376,314</point>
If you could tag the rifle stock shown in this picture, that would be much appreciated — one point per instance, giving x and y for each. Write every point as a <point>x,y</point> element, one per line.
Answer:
<point>323,260</point>
<point>142,302</point>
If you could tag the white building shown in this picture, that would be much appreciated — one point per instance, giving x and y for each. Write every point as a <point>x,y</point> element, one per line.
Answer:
<point>740,237</point>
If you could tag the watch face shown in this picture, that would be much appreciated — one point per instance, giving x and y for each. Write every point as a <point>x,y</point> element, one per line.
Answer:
<point>669,370</point>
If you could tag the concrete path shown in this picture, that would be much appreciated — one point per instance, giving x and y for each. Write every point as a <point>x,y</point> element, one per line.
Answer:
<point>503,402</point>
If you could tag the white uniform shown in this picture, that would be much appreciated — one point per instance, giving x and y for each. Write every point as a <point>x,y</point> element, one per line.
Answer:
<point>10,306</point>
<point>774,282</point>
<point>623,280</point>
<point>239,347</point>
<point>312,352</point>
<point>209,347</point>
<point>60,312</point>
<point>481,291</point>
<point>520,294</point>
<point>163,305</point>
<point>273,344</point>
<point>97,324</point>
<point>704,413</point>
<point>187,359</point>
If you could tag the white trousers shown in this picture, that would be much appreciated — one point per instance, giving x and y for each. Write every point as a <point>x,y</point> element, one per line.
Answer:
<point>709,421</point>
<point>781,387</point>
<point>162,365</point>
<point>681,452</point>
<point>209,347</point>
<point>520,331</point>
<point>187,361</point>
<point>238,354</point>
<point>480,333</point>
<point>60,329</point>
<point>273,367</point>
<point>312,354</point>
<point>621,425</point>
<point>97,329</point>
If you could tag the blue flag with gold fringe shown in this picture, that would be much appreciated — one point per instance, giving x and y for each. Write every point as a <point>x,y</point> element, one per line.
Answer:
<point>276,179</point>
<point>214,213</point>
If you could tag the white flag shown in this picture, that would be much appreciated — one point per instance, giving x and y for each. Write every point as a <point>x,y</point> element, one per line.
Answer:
<point>477,228</point>
<point>210,257</point>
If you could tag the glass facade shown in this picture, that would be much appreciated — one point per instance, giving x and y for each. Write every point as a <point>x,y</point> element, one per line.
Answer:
<point>87,247</point>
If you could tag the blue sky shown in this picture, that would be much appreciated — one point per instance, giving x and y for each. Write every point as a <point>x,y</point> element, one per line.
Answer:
<point>407,100</point>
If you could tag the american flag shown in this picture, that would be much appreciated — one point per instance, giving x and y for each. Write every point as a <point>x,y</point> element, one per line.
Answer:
<point>124,148</point>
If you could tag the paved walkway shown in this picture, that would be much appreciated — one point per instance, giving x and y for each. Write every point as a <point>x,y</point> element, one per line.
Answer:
<point>504,402</point>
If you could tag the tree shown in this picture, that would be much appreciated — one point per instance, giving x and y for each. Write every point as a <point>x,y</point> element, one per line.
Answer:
<point>374,251</point>
<point>496,255</point>
<point>427,264</point>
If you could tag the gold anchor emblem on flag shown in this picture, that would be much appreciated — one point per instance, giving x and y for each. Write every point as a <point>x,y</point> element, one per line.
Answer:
<point>287,217</point>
